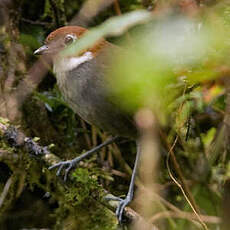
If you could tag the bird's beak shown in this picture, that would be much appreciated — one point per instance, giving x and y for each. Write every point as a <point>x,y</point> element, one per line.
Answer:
<point>41,50</point>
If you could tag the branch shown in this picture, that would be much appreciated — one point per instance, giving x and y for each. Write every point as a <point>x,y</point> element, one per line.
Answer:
<point>17,139</point>
<point>5,190</point>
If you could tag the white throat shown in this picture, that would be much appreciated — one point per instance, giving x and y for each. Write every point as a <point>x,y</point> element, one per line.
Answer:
<point>70,63</point>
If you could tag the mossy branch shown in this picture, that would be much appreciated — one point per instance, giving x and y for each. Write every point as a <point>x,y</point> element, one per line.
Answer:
<point>17,140</point>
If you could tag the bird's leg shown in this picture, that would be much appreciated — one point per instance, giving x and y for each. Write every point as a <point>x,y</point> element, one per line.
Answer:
<point>124,202</point>
<point>69,164</point>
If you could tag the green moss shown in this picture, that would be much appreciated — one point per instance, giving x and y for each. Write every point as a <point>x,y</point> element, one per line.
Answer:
<point>88,215</point>
<point>81,206</point>
<point>96,216</point>
<point>5,146</point>
<point>85,187</point>
<point>4,121</point>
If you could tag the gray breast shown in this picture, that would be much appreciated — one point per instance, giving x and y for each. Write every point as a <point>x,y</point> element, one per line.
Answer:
<point>84,90</point>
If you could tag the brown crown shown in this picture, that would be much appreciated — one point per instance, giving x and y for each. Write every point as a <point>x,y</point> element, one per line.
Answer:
<point>79,31</point>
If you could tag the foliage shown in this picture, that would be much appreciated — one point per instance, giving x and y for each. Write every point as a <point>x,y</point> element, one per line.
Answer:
<point>175,63</point>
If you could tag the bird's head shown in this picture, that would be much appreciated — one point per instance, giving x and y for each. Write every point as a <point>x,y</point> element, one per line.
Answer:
<point>61,38</point>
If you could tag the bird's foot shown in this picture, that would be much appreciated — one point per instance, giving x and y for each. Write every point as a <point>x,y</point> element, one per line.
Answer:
<point>67,165</point>
<point>121,206</point>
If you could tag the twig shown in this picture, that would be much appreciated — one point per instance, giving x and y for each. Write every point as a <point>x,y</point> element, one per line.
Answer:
<point>120,174</point>
<point>185,187</point>
<point>148,169</point>
<point>35,75</point>
<point>86,135</point>
<point>186,215</point>
<point>117,154</point>
<point>117,7</point>
<point>184,190</point>
<point>5,190</point>
<point>35,22</point>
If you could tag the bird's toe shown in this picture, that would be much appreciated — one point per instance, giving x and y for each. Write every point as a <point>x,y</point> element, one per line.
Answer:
<point>121,206</point>
<point>67,165</point>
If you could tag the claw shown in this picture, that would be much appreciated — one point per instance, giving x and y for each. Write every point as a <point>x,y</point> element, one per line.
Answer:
<point>113,198</point>
<point>55,166</point>
<point>121,206</point>
<point>64,164</point>
<point>71,165</point>
<point>59,169</point>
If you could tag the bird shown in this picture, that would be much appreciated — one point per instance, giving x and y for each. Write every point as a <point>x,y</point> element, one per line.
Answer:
<point>82,80</point>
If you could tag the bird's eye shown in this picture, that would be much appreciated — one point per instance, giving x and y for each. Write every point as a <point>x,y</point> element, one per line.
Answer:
<point>69,39</point>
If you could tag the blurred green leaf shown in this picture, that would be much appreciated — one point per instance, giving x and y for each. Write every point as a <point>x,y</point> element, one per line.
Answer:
<point>208,137</point>
<point>112,27</point>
